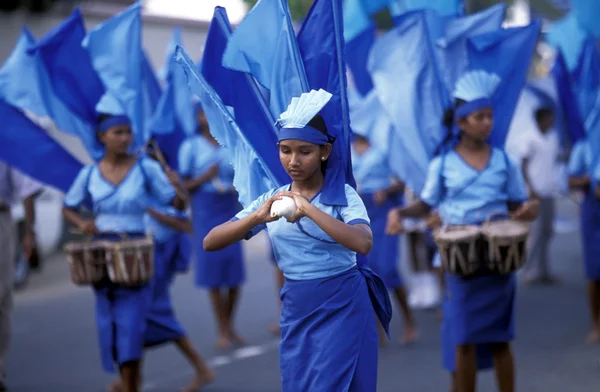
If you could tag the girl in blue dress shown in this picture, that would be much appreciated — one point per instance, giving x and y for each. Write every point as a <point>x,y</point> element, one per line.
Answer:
<point>579,179</point>
<point>119,190</point>
<point>208,177</point>
<point>380,194</point>
<point>467,184</point>
<point>328,328</point>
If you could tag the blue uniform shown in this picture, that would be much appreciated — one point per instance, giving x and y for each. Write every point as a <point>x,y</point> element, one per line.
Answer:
<point>121,311</point>
<point>479,309</point>
<point>372,175</point>
<point>579,165</point>
<point>172,254</point>
<point>214,203</point>
<point>329,333</point>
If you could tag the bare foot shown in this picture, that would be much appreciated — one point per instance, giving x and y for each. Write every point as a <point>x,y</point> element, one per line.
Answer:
<point>410,335</point>
<point>202,378</point>
<point>115,386</point>
<point>223,343</point>
<point>594,337</point>
<point>274,329</point>
<point>237,339</point>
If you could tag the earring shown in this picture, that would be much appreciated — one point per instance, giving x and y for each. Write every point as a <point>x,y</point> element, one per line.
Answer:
<point>322,158</point>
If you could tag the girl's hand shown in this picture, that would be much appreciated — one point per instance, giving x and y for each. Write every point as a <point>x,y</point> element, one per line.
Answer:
<point>528,211</point>
<point>173,177</point>
<point>89,228</point>
<point>394,223</point>
<point>302,205</point>
<point>380,197</point>
<point>434,221</point>
<point>263,214</point>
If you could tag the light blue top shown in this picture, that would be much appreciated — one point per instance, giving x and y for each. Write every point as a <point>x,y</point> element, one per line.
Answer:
<point>162,233</point>
<point>371,170</point>
<point>303,251</point>
<point>581,159</point>
<point>121,208</point>
<point>197,155</point>
<point>464,195</point>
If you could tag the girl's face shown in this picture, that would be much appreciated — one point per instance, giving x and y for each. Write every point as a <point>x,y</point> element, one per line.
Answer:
<point>302,160</point>
<point>361,144</point>
<point>117,139</point>
<point>478,125</point>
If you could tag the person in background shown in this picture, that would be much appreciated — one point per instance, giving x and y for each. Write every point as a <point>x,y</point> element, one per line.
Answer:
<point>539,150</point>
<point>14,186</point>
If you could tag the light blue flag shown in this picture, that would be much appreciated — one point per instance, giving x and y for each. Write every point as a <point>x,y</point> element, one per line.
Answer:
<point>264,46</point>
<point>26,84</point>
<point>403,57</point>
<point>356,19</point>
<point>442,7</point>
<point>588,14</point>
<point>568,35</point>
<point>115,48</point>
<point>252,177</point>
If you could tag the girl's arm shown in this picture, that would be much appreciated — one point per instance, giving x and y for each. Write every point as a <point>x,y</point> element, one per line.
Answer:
<point>86,226</point>
<point>179,224</point>
<point>579,182</point>
<point>191,184</point>
<point>231,232</point>
<point>416,209</point>
<point>527,211</point>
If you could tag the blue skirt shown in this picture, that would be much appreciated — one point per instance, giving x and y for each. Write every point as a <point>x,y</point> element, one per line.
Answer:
<point>162,325</point>
<point>121,319</point>
<point>383,258</point>
<point>480,309</point>
<point>224,268</point>
<point>329,332</point>
<point>590,236</point>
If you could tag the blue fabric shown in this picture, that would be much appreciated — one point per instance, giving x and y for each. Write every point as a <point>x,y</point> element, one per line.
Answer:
<point>371,170</point>
<point>564,87</point>
<point>473,106</point>
<point>121,318</point>
<point>307,134</point>
<point>162,325</point>
<point>442,7</point>
<point>384,256</point>
<point>302,249</point>
<point>252,175</point>
<point>580,160</point>
<point>587,14</point>
<point>587,80</point>
<point>356,19</point>
<point>329,334</point>
<point>506,53</point>
<point>197,155</point>
<point>241,92</point>
<point>590,236</point>
<point>357,54</point>
<point>321,43</point>
<point>464,195</point>
<point>264,45</point>
<point>568,35</point>
<point>225,268</point>
<point>121,208</point>
<point>70,69</point>
<point>115,121</point>
<point>45,160</point>
<point>480,309</point>
<point>115,49</point>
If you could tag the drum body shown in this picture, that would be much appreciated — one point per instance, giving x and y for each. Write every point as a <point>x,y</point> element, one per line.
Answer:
<point>460,249</point>
<point>87,261</point>
<point>505,248</point>
<point>130,262</point>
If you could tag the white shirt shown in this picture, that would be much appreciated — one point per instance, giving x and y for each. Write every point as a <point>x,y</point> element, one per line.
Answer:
<point>541,151</point>
<point>15,186</point>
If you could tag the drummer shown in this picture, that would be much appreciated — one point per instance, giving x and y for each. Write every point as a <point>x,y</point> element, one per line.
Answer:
<point>469,179</point>
<point>118,190</point>
<point>380,192</point>
<point>579,179</point>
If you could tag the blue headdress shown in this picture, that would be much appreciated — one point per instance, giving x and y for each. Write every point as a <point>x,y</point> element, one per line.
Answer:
<point>293,122</point>
<point>108,104</point>
<point>476,88</point>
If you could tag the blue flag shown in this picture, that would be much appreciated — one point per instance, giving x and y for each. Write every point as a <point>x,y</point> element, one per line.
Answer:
<point>568,35</point>
<point>564,87</point>
<point>115,48</point>
<point>240,92</point>
<point>73,77</point>
<point>508,54</point>
<point>31,150</point>
<point>264,46</point>
<point>357,54</point>
<point>252,176</point>
<point>442,7</point>
<point>321,42</point>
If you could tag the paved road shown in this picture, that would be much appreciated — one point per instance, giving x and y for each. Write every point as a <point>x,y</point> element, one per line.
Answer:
<point>54,348</point>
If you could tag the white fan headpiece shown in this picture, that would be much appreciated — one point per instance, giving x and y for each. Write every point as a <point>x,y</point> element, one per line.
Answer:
<point>476,85</point>
<point>302,109</point>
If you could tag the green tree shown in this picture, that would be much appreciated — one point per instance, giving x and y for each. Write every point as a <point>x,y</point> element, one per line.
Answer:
<point>298,8</point>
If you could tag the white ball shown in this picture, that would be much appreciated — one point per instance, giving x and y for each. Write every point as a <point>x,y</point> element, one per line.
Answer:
<point>286,207</point>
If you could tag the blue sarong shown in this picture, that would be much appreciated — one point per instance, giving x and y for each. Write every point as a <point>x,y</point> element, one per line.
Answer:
<point>329,332</point>
<point>590,236</point>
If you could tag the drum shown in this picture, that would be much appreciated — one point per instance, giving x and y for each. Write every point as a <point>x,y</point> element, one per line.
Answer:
<point>130,262</point>
<point>87,261</point>
<point>505,245</point>
<point>460,248</point>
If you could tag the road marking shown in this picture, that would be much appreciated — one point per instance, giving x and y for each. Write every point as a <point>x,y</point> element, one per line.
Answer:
<point>216,362</point>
